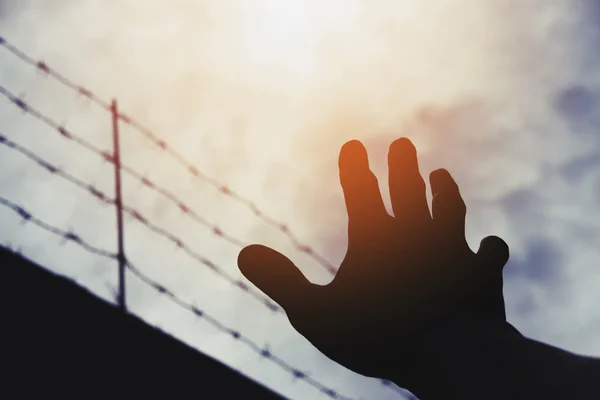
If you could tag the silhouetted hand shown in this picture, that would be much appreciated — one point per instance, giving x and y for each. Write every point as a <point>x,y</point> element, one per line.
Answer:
<point>401,275</point>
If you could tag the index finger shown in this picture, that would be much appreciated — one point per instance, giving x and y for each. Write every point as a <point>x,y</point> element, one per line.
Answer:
<point>360,186</point>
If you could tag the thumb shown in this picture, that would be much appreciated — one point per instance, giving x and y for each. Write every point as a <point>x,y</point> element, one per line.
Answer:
<point>276,275</point>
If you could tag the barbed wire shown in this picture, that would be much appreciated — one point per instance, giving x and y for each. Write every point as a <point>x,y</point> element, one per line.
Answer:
<point>108,157</point>
<point>66,235</point>
<point>168,149</point>
<point>103,197</point>
<point>262,351</point>
<point>42,66</point>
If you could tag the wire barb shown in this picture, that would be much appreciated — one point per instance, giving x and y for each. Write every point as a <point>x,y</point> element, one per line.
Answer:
<point>65,235</point>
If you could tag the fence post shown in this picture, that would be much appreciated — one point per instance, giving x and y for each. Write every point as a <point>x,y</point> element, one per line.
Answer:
<point>119,205</point>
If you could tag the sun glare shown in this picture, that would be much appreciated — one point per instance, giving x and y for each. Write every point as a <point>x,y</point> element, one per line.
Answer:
<point>283,38</point>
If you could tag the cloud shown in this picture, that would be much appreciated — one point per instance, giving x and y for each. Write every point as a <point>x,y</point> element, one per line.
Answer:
<point>7,8</point>
<point>579,105</point>
<point>542,262</point>
<point>576,169</point>
<point>520,202</point>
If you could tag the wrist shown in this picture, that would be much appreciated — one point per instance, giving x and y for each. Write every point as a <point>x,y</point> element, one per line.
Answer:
<point>477,357</point>
<point>459,358</point>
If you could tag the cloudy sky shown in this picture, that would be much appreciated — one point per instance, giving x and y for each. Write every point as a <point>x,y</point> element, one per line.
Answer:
<point>260,95</point>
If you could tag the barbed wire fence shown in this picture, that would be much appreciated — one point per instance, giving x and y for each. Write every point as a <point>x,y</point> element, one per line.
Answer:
<point>146,222</point>
<point>171,152</point>
<point>141,219</point>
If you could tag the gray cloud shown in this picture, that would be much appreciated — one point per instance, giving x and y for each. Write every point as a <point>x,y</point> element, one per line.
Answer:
<point>576,170</point>
<point>591,28</point>
<point>579,105</point>
<point>541,262</point>
<point>520,202</point>
<point>577,102</point>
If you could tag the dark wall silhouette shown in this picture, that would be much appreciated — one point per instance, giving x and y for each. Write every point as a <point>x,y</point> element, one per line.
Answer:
<point>59,339</point>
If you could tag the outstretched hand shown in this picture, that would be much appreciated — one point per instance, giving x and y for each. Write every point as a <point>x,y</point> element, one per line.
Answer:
<point>401,275</point>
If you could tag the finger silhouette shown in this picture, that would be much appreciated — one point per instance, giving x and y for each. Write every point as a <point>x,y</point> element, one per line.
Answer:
<point>364,202</point>
<point>448,207</point>
<point>276,275</point>
<point>495,251</point>
<point>407,187</point>
<point>493,254</point>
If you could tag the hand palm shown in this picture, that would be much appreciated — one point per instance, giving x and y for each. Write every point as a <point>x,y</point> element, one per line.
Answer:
<point>400,274</point>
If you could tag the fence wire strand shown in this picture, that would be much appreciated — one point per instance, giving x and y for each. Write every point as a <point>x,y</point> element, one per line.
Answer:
<point>66,235</point>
